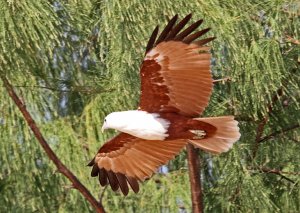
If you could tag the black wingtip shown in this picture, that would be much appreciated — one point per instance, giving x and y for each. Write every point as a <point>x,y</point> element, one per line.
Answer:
<point>95,171</point>
<point>133,184</point>
<point>204,41</point>
<point>179,27</point>
<point>123,183</point>
<point>92,162</point>
<point>103,180</point>
<point>152,39</point>
<point>187,17</point>
<point>113,181</point>
<point>195,36</point>
<point>167,29</point>
<point>188,30</point>
<point>176,32</point>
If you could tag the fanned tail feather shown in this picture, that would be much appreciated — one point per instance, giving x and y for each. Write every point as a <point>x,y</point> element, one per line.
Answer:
<point>226,135</point>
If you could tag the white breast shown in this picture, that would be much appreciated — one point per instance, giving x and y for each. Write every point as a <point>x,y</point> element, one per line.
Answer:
<point>141,124</point>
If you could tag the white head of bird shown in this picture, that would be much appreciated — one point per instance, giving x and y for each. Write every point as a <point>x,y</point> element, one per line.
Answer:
<point>138,123</point>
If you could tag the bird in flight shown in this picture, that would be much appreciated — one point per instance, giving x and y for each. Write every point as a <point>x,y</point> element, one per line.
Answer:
<point>176,85</point>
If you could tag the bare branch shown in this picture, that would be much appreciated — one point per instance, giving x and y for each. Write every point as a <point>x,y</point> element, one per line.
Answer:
<point>60,166</point>
<point>195,181</point>
<point>264,120</point>
<point>222,80</point>
<point>81,89</point>
<point>292,40</point>
<point>278,133</point>
<point>293,139</point>
<point>102,194</point>
<point>244,118</point>
<point>236,193</point>
<point>276,172</point>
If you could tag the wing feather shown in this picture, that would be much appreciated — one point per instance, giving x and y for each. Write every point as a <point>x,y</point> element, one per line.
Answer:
<point>125,160</point>
<point>188,30</point>
<point>103,177</point>
<point>113,181</point>
<point>196,35</point>
<point>178,27</point>
<point>152,39</point>
<point>167,29</point>
<point>175,73</point>
<point>123,183</point>
<point>133,184</point>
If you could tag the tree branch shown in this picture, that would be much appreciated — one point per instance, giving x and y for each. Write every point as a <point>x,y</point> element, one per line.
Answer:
<point>263,122</point>
<point>293,139</point>
<point>60,166</point>
<point>222,80</point>
<point>292,40</point>
<point>195,181</point>
<point>102,194</point>
<point>80,89</point>
<point>278,133</point>
<point>276,172</point>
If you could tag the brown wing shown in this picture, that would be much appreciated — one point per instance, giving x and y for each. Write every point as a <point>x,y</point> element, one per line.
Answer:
<point>175,73</point>
<point>125,160</point>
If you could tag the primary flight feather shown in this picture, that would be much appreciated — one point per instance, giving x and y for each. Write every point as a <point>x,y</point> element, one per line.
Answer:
<point>176,85</point>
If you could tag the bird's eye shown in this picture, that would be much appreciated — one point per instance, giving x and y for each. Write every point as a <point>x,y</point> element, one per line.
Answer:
<point>104,120</point>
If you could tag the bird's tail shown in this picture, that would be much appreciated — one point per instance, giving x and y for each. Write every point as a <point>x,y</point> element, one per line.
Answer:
<point>226,134</point>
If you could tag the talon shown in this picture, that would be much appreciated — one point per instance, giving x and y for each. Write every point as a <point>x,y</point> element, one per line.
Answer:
<point>199,134</point>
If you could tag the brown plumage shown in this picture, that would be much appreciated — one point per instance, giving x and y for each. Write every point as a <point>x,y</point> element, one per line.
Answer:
<point>176,84</point>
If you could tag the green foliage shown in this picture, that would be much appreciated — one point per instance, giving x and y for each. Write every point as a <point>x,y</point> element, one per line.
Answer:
<point>88,53</point>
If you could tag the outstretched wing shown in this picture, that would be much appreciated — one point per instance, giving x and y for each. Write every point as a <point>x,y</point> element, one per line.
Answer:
<point>125,160</point>
<point>175,73</point>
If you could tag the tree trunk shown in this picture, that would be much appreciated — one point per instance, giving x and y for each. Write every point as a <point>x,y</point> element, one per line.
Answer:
<point>195,181</point>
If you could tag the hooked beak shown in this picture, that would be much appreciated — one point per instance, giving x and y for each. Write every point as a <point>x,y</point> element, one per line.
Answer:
<point>103,128</point>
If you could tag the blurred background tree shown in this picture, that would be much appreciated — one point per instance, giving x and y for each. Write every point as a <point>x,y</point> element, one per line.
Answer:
<point>74,62</point>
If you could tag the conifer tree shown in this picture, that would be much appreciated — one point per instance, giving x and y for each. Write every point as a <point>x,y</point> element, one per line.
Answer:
<point>71,63</point>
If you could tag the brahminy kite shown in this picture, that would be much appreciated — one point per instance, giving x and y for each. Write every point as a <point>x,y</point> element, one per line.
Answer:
<point>176,85</point>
